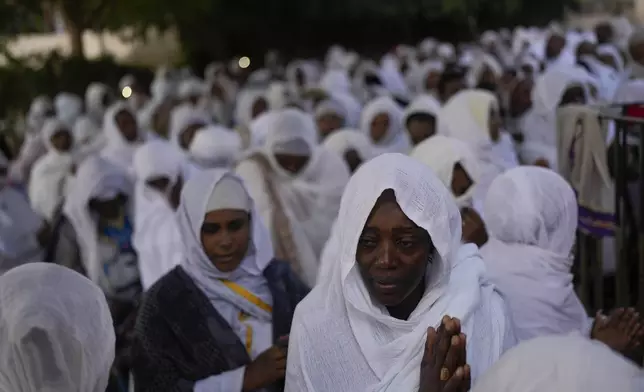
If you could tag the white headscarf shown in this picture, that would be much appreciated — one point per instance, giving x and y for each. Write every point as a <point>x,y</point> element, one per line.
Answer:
<point>195,198</point>
<point>118,150</point>
<point>562,363</point>
<point>48,181</point>
<point>156,234</point>
<point>94,101</point>
<point>396,139</point>
<point>425,104</point>
<point>246,99</point>
<point>441,154</point>
<point>68,108</point>
<point>38,113</point>
<point>95,178</point>
<point>367,349</point>
<point>182,117</point>
<point>466,117</point>
<point>531,216</point>
<point>215,147</point>
<point>56,331</point>
<point>344,140</point>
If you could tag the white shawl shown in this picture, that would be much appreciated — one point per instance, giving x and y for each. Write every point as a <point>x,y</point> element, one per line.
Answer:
<point>344,140</point>
<point>341,340</point>
<point>311,198</point>
<point>96,177</point>
<point>56,332</point>
<point>562,363</point>
<point>49,176</point>
<point>441,154</point>
<point>396,139</point>
<point>156,234</point>
<point>531,216</point>
<point>215,147</point>
<point>118,150</point>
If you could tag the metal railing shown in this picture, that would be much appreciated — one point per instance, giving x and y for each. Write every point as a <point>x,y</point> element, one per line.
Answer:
<point>596,290</point>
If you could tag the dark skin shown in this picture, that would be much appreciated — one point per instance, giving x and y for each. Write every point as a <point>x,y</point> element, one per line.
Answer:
<point>126,123</point>
<point>433,77</point>
<point>451,88</point>
<point>608,60</point>
<point>637,52</point>
<point>379,127</point>
<point>421,127</point>
<point>622,330</point>
<point>292,163</point>
<point>62,140</point>
<point>521,98</point>
<point>604,33</point>
<point>555,45</point>
<point>461,181</point>
<point>109,210</point>
<point>495,123</point>
<point>392,256</point>
<point>328,123</point>
<point>445,349</point>
<point>225,236</point>
<point>573,95</point>
<point>188,134</point>
<point>260,106</point>
<point>353,160</point>
<point>586,49</point>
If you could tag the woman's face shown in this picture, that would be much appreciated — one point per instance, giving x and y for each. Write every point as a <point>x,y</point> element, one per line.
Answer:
<point>327,123</point>
<point>127,125</point>
<point>292,163</point>
<point>109,209</point>
<point>353,160</point>
<point>225,235</point>
<point>392,253</point>
<point>421,128</point>
<point>555,45</point>
<point>608,60</point>
<point>188,134</point>
<point>379,127</point>
<point>461,181</point>
<point>160,184</point>
<point>573,95</point>
<point>521,99</point>
<point>495,124</point>
<point>260,106</point>
<point>62,140</point>
<point>431,83</point>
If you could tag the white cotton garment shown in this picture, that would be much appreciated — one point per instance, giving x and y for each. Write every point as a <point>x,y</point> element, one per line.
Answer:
<point>246,99</point>
<point>156,233</point>
<point>56,331</point>
<point>342,340</point>
<point>185,116</point>
<point>568,363</point>
<point>396,139</point>
<point>95,178</point>
<point>49,176</point>
<point>422,104</point>
<point>310,198</point>
<point>215,147</point>
<point>249,275</point>
<point>441,154</point>
<point>466,117</point>
<point>69,108</point>
<point>344,140</point>
<point>118,150</point>
<point>531,217</point>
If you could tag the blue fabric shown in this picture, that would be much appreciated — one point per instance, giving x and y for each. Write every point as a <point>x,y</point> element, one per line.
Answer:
<point>121,236</point>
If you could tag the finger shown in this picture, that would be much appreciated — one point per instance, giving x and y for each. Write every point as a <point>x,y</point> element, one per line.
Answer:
<point>280,363</point>
<point>615,318</point>
<point>457,322</point>
<point>430,343</point>
<point>467,378</point>
<point>453,355</point>
<point>454,384</point>
<point>443,347</point>
<point>435,346</point>
<point>625,320</point>
<point>462,360</point>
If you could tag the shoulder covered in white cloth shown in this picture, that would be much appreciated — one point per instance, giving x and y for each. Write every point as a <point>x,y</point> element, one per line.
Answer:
<point>342,341</point>
<point>569,363</point>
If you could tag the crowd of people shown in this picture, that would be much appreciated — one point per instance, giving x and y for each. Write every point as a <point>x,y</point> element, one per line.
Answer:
<point>405,223</point>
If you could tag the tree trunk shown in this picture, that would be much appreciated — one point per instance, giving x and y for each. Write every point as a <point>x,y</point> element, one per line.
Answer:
<point>75,34</point>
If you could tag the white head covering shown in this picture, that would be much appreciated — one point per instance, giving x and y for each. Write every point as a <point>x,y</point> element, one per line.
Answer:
<point>441,154</point>
<point>182,117</point>
<point>215,147</point>
<point>94,100</point>
<point>344,140</point>
<point>156,234</point>
<point>396,139</point>
<point>49,175</point>
<point>531,216</point>
<point>212,190</point>
<point>425,104</point>
<point>68,108</point>
<point>191,87</point>
<point>291,132</point>
<point>118,150</point>
<point>483,61</point>
<point>37,113</point>
<point>369,349</point>
<point>95,178</point>
<point>331,106</point>
<point>56,331</point>
<point>246,99</point>
<point>611,50</point>
<point>562,363</point>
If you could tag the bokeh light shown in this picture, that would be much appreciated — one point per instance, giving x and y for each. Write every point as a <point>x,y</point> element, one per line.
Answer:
<point>244,62</point>
<point>127,92</point>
